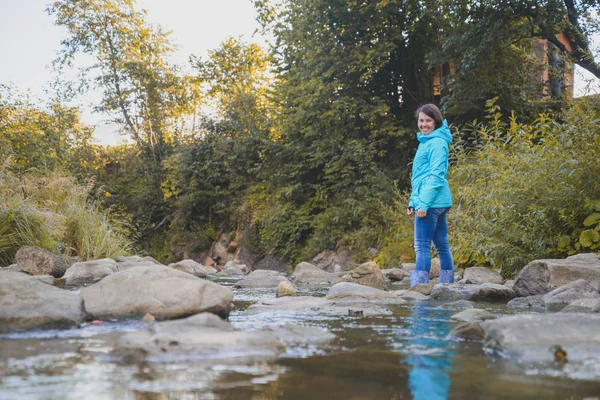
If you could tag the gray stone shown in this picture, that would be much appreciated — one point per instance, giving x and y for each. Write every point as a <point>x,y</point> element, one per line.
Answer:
<point>330,260</point>
<point>458,305</point>
<point>368,274</point>
<point>354,290</point>
<point>191,267</point>
<point>204,337</point>
<point>242,267</point>
<point>478,275</point>
<point>423,288</point>
<point>272,262</point>
<point>89,272</point>
<point>543,276</point>
<point>489,292</point>
<point>129,259</point>
<point>12,268</point>
<point>468,331</point>
<point>473,315</point>
<point>583,305</point>
<point>412,295</point>
<point>526,302</point>
<point>562,296</point>
<point>510,284</point>
<point>125,265</point>
<point>395,274</point>
<point>261,278</point>
<point>531,336</point>
<point>47,279</point>
<point>307,275</point>
<point>309,306</point>
<point>231,271</point>
<point>158,290</point>
<point>27,303</point>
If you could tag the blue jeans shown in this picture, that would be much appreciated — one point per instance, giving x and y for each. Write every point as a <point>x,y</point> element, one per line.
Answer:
<point>433,228</point>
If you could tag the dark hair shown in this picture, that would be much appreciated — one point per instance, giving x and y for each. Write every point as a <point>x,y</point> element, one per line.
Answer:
<point>433,112</point>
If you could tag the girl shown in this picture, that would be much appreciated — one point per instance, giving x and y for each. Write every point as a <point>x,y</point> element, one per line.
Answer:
<point>430,199</point>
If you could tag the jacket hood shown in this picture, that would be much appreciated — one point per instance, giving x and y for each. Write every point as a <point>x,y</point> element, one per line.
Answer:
<point>442,132</point>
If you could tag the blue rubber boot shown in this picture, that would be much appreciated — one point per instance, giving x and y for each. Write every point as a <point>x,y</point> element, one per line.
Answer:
<point>418,277</point>
<point>446,276</point>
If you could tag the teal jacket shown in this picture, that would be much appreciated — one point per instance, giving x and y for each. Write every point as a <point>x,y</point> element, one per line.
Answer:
<point>429,185</point>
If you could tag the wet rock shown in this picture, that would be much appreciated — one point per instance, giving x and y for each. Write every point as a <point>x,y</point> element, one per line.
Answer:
<point>395,274</point>
<point>473,315</point>
<point>310,306</point>
<point>285,288</point>
<point>412,295</point>
<point>26,303</point>
<point>458,305</point>
<point>543,276</point>
<point>467,331</point>
<point>562,296</point>
<point>530,336</point>
<point>191,267</point>
<point>208,338</point>
<point>355,290</point>
<point>526,302</point>
<point>583,305</point>
<point>490,292</point>
<point>37,261</point>
<point>161,291</point>
<point>332,261</point>
<point>89,272</point>
<point>368,274</point>
<point>423,288</point>
<point>307,275</point>
<point>261,278</point>
<point>478,275</point>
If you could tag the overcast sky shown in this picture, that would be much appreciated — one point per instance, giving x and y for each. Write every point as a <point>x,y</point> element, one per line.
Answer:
<point>30,41</point>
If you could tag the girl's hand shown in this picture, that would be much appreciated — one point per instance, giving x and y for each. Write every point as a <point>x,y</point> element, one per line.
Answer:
<point>410,211</point>
<point>421,214</point>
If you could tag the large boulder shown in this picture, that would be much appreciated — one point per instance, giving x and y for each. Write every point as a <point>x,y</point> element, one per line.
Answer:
<point>27,303</point>
<point>478,275</point>
<point>160,291</point>
<point>89,272</point>
<point>308,275</point>
<point>561,297</point>
<point>467,331</point>
<point>12,268</point>
<point>473,315</point>
<point>208,338</point>
<point>191,267</point>
<point>368,274</point>
<point>355,290</point>
<point>543,276</point>
<point>37,261</point>
<point>583,305</point>
<point>285,288</point>
<point>332,261</point>
<point>489,292</point>
<point>532,336</point>
<point>261,278</point>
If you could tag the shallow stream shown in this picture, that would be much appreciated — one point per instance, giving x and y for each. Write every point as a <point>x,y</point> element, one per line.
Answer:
<point>404,355</point>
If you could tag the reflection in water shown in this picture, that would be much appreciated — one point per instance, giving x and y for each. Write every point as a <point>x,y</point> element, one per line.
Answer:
<point>430,355</point>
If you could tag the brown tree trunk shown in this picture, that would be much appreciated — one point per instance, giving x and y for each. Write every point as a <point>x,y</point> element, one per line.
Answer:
<point>38,261</point>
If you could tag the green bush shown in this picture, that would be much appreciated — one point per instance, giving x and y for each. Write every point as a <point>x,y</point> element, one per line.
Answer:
<point>526,191</point>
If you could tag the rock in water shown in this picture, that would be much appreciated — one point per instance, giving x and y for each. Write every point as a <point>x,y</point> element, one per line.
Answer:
<point>38,261</point>
<point>161,291</point>
<point>26,303</point>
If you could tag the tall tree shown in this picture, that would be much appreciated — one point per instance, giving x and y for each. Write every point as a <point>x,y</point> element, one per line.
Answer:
<point>141,91</point>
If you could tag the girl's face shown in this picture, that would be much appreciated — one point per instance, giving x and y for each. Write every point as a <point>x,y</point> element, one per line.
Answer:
<point>426,124</point>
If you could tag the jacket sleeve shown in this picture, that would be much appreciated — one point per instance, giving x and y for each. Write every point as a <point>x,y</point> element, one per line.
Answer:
<point>435,181</point>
